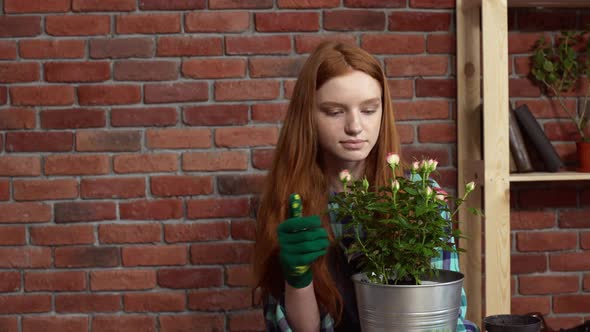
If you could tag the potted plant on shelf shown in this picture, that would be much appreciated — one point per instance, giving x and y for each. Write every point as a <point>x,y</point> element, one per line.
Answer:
<point>398,230</point>
<point>558,68</point>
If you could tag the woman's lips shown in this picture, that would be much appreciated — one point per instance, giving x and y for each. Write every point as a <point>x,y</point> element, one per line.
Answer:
<point>353,144</point>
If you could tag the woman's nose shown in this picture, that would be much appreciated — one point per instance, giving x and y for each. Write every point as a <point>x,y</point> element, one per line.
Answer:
<point>353,124</point>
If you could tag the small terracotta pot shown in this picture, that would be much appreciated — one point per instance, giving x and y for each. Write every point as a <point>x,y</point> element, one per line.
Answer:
<point>583,156</point>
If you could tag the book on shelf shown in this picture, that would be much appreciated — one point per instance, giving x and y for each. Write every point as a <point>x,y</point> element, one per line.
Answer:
<point>513,167</point>
<point>532,131</point>
<point>518,148</point>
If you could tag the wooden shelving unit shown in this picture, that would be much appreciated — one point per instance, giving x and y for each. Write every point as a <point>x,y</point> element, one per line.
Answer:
<point>482,53</point>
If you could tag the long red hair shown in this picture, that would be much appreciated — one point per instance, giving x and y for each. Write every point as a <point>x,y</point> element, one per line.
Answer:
<point>297,167</point>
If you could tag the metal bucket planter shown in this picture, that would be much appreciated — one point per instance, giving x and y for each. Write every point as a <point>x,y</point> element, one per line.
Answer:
<point>432,306</point>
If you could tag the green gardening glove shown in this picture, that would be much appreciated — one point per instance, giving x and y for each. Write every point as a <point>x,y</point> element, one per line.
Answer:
<point>302,240</point>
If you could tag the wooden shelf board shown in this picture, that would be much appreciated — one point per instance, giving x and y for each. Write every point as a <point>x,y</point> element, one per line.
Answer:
<point>550,3</point>
<point>546,176</point>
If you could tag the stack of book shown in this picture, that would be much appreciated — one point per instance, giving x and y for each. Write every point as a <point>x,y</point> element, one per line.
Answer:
<point>530,149</point>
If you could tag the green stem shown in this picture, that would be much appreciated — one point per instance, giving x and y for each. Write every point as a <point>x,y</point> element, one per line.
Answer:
<point>559,99</point>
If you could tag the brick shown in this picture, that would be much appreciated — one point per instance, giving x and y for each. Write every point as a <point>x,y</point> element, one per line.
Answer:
<point>527,304</point>
<point>214,68</point>
<point>39,141</point>
<point>78,25</point>
<point>217,208</point>
<point>189,46</point>
<point>523,42</point>
<point>547,108</point>
<point>528,263</point>
<point>115,323</point>
<point>401,88</point>
<point>560,131</point>
<point>307,43</point>
<point>215,115</point>
<point>114,187</point>
<point>20,304</point>
<point>548,19</point>
<point>9,282</point>
<point>287,21</point>
<point>297,4</point>
<point>196,232</point>
<point>243,230</point>
<point>437,133</point>
<point>178,138</point>
<point>51,49</point>
<point>148,23</point>
<point>245,136</point>
<point>220,299</point>
<point>419,21</point>
<point>586,285</point>
<point>38,190</point>
<point>354,20</point>
<point>7,50</point>
<point>145,163</point>
<point>430,65</point>
<point>76,164</point>
<point>541,285</point>
<point>564,304</point>
<point>241,45</point>
<point>225,253</point>
<point>556,323</point>
<point>239,275</point>
<point>55,323</point>
<point>162,209</point>
<point>215,161</point>
<point>86,303</point>
<point>432,3</point>
<point>154,302</point>
<point>171,5</point>
<point>546,241</point>
<point>289,86</point>
<point>240,184</point>
<point>122,280</point>
<point>523,87</point>
<point>36,6</point>
<point>574,219</point>
<point>17,118</point>
<point>135,233</point>
<point>24,212</point>
<point>77,71</point>
<point>84,211</point>
<point>269,112</point>
<point>201,277</point>
<point>51,95</point>
<point>573,261</point>
<point>406,133</point>
<point>585,240</point>
<point>181,185</point>
<point>275,66</point>
<point>3,95</point>
<point>103,5</point>
<point>4,190</point>
<point>72,118</point>
<point>532,219</point>
<point>155,255</point>
<point>375,3</point>
<point>20,26</point>
<point>436,88</point>
<point>393,43</point>
<point>246,320</point>
<point>226,21</point>
<point>240,4</point>
<point>25,257</point>
<point>246,90</point>
<point>132,70</point>
<point>196,322</point>
<point>262,158</point>
<point>118,48</point>
<point>19,72</point>
<point>12,235</point>
<point>86,256</point>
<point>176,92</point>
<point>143,117</point>
<point>109,94</point>
<point>9,324</point>
<point>118,141</point>
<point>55,281</point>
<point>561,197</point>
<point>441,43</point>
<point>422,110</point>
<point>62,235</point>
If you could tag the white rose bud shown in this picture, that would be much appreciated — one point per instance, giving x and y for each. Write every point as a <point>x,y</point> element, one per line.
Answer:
<point>365,184</point>
<point>433,164</point>
<point>470,187</point>
<point>415,166</point>
<point>440,197</point>
<point>395,185</point>
<point>392,159</point>
<point>345,176</point>
<point>429,191</point>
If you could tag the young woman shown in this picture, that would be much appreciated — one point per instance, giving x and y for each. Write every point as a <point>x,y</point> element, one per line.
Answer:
<point>340,117</point>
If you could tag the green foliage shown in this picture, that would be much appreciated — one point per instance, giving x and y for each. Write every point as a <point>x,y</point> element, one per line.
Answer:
<point>559,68</point>
<point>399,228</point>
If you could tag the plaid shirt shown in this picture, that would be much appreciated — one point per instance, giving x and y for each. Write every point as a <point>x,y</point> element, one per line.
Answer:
<point>276,316</point>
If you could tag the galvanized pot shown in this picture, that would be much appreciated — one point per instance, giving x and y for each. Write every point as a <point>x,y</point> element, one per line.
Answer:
<point>432,306</point>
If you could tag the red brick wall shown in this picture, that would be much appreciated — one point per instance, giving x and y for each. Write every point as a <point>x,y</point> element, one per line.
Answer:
<point>550,221</point>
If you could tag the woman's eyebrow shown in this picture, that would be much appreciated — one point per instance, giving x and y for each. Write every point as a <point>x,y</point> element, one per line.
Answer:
<point>335,104</point>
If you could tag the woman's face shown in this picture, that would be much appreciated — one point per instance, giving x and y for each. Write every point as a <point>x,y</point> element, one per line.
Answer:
<point>348,114</point>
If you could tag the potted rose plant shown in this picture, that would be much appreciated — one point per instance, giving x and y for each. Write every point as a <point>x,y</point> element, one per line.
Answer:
<point>558,68</point>
<point>398,230</point>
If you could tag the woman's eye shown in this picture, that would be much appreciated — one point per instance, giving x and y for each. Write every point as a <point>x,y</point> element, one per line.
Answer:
<point>333,112</point>
<point>369,110</point>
